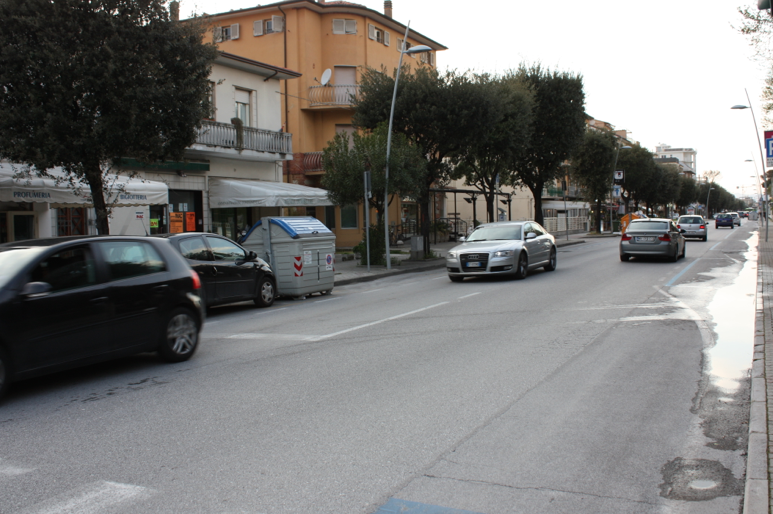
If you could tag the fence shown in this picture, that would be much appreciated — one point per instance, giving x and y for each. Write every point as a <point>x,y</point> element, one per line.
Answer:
<point>213,133</point>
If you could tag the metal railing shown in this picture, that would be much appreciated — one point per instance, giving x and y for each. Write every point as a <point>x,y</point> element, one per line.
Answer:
<point>213,133</point>
<point>558,225</point>
<point>552,191</point>
<point>312,161</point>
<point>342,94</point>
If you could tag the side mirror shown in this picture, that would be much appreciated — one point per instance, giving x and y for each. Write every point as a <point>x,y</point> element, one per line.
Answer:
<point>36,289</point>
<point>530,235</point>
<point>251,256</point>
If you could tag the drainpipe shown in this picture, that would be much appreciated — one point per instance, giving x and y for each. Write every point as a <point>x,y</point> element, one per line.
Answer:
<point>287,112</point>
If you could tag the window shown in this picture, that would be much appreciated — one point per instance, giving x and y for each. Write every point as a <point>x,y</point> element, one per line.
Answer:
<point>68,269</point>
<point>193,248</point>
<point>226,33</point>
<point>349,216</point>
<point>342,26</point>
<point>242,98</point>
<point>428,58</point>
<point>127,259</point>
<point>378,35</point>
<point>330,217</point>
<point>275,24</point>
<point>225,250</point>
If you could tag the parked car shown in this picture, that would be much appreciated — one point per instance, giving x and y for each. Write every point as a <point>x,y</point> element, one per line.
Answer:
<point>736,218</point>
<point>502,248</point>
<point>723,219</point>
<point>694,226</point>
<point>654,237</point>
<point>71,301</point>
<point>229,273</point>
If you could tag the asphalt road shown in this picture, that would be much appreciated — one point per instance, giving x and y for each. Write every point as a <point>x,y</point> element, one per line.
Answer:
<point>601,387</point>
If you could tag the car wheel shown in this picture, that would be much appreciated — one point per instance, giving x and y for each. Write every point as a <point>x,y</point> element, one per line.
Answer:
<point>625,258</point>
<point>551,265</point>
<point>675,257</point>
<point>5,372</point>
<point>266,293</point>
<point>180,337</point>
<point>453,278</point>
<point>523,266</point>
<point>325,293</point>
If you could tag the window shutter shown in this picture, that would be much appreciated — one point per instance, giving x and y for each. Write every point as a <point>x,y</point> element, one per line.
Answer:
<point>431,58</point>
<point>235,31</point>
<point>277,23</point>
<point>386,38</point>
<point>338,26</point>
<point>351,26</point>
<point>217,32</point>
<point>257,28</point>
<point>242,96</point>
<point>424,58</point>
<point>399,44</point>
<point>371,31</point>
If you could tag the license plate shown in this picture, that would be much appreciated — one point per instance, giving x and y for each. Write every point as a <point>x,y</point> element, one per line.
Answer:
<point>473,264</point>
<point>644,239</point>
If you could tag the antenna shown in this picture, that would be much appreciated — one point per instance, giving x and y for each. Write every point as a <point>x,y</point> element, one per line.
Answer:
<point>326,77</point>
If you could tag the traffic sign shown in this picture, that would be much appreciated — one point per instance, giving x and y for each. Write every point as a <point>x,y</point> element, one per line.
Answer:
<point>619,177</point>
<point>769,147</point>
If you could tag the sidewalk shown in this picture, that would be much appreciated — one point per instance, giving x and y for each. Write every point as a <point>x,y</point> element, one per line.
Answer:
<point>351,272</point>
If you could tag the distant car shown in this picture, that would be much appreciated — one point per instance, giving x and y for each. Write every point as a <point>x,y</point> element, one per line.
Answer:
<point>736,218</point>
<point>723,219</point>
<point>502,248</point>
<point>654,237</point>
<point>228,272</point>
<point>694,226</point>
<point>71,301</point>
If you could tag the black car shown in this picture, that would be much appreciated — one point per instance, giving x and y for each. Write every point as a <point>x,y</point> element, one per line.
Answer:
<point>229,272</point>
<point>71,301</point>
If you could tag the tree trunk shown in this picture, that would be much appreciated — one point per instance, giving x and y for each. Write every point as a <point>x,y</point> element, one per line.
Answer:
<point>537,194</point>
<point>94,177</point>
<point>597,222</point>
<point>490,204</point>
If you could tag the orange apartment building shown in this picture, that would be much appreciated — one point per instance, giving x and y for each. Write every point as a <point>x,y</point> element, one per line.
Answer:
<point>329,43</point>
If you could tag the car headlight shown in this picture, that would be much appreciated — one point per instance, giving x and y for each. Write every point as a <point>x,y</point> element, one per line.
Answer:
<point>504,253</point>
<point>451,255</point>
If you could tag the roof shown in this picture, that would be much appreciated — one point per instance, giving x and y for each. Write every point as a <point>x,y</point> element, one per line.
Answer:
<point>257,67</point>
<point>336,7</point>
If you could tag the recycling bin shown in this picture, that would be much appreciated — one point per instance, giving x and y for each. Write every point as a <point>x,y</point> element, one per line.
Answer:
<point>300,250</point>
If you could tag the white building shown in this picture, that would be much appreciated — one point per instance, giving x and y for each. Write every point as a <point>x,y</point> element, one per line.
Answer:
<point>686,158</point>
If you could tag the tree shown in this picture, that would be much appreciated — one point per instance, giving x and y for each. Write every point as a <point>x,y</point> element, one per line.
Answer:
<point>688,193</point>
<point>85,83</point>
<point>592,164</point>
<point>668,192</point>
<point>639,167</point>
<point>485,157</point>
<point>433,112</point>
<point>558,127</point>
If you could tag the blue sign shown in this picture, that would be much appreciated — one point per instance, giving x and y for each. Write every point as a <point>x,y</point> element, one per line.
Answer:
<point>769,147</point>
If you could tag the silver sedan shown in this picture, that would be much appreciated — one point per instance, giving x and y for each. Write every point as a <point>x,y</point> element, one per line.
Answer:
<point>653,237</point>
<point>502,248</point>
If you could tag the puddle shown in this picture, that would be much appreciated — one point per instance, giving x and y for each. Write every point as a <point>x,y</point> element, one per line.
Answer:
<point>732,311</point>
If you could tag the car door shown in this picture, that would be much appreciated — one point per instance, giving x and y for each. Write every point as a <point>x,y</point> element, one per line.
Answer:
<point>138,289</point>
<point>545,242</point>
<point>70,321</point>
<point>534,247</point>
<point>236,275</point>
<point>199,257</point>
<point>677,237</point>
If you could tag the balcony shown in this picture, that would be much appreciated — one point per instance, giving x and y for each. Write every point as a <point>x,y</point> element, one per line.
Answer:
<point>221,140</point>
<point>341,95</point>
<point>557,192</point>
<point>312,163</point>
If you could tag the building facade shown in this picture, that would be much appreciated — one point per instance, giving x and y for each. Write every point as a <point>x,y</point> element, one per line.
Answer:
<point>685,158</point>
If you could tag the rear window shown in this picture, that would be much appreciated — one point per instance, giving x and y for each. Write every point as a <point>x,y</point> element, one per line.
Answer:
<point>723,216</point>
<point>648,225</point>
<point>691,219</point>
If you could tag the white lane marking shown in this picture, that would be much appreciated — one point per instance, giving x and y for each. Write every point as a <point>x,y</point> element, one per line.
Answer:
<point>438,278</point>
<point>92,499</point>
<point>9,470</point>
<point>358,327</point>
<point>283,337</point>
<point>231,319</point>
<point>634,306</point>
<point>328,300</point>
<point>373,290</point>
<point>467,295</point>
<point>715,246</point>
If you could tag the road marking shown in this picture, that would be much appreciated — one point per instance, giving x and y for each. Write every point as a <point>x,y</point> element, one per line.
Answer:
<point>467,295</point>
<point>358,327</point>
<point>92,499</point>
<point>283,337</point>
<point>670,282</point>
<point>9,471</point>
<point>328,300</point>
<point>373,290</point>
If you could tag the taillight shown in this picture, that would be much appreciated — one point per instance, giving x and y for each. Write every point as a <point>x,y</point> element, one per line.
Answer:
<point>665,237</point>
<point>196,280</point>
<point>627,237</point>
<point>703,226</point>
<point>679,226</point>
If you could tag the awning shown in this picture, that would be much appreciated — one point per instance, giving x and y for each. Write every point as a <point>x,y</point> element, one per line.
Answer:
<point>228,193</point>
<point>123,191</point>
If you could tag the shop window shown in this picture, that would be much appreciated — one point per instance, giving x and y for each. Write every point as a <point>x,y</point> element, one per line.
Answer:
<point>71,221</point>
<point>349,216</point>
<point>185,211</point>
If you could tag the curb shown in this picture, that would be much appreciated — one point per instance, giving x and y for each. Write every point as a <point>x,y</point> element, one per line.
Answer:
<point>757,489</point>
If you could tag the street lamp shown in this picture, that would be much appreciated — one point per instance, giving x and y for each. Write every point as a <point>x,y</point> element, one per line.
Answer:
<point>759,188</point>
<point>614,168</point>
<point>762,158</point>
<point>412,50</point>
<point>707,200</point>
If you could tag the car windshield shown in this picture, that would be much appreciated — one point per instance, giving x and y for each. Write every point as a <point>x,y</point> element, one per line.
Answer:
<point>723,216</point>
<point>648,225</point>
<point>690,219</point>
<point>14,259</point>
<point>496,233</point>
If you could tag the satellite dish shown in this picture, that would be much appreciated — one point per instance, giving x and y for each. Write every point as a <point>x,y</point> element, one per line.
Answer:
<point>326,77</point>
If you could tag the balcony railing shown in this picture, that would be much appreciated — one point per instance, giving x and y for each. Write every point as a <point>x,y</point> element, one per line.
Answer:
<point>342,94</point>
<point>213,133</point>
<point>312,161</point>
<point>553,191</point>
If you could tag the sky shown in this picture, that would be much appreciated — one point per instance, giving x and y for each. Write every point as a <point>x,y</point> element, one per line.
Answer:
<point>667,71</point>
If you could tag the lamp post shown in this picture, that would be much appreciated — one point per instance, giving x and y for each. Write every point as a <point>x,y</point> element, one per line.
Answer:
<point>759,187</point>
<point>614,166</point>
<point>707,199</point>
<point>762,157</point>
<point>413,50</point>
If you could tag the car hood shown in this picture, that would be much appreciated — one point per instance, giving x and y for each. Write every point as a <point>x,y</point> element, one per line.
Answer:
<point>487,246</point>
